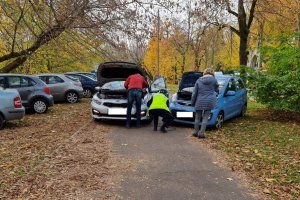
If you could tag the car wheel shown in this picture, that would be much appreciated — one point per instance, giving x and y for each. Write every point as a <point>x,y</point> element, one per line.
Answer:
<point>243,112</point>
<point>87,93</point>
<point>72,97</point>
<point>39,106</point>
<point>1,122</point>
<point>219,120</point>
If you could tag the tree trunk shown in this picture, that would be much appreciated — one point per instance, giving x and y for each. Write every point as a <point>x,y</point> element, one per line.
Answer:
<point>299,24</point>
<point>21,56</point>
<point>197,63</point>
<point>183,64</point>
<point>243,49</point>
<point>13,65</point>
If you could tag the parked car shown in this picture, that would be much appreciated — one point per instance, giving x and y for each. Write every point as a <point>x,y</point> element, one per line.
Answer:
<point>89,74</point>
<point>232,102</point>
<point>63,88</point>
<point>11,106</point>
<point>35,94</point>
<point>110,102</point>
<point>87,83</point>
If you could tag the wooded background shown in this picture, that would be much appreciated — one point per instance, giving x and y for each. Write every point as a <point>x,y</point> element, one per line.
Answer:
<point>65,35</point>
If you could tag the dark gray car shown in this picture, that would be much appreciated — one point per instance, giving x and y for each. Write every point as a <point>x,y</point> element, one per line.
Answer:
<point>63,88</point>
<point>35,94</point>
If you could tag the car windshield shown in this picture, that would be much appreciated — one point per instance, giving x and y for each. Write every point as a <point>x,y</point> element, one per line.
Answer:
<point>72,78</point>
<point>114,85</point>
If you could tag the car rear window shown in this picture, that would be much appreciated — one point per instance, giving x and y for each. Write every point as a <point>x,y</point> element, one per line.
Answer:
<point>72,78</point>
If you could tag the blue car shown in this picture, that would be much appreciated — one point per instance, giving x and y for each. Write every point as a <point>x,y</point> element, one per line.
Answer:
<point>88,83</point>
<point>232,102</point>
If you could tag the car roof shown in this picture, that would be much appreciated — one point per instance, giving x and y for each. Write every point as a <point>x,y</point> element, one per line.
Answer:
<point>48,74</point>
<point>11,74</point>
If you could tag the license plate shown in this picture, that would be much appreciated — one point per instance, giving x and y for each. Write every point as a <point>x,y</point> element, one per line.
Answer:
<point>117,111</point>
<point>184,114</point>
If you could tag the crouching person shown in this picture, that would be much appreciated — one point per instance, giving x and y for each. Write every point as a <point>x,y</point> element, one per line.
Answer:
<point>159,107</point>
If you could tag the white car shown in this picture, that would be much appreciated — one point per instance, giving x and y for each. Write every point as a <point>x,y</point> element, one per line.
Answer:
<point>110,102</point>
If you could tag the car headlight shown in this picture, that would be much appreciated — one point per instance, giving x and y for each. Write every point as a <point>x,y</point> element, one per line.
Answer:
<point>97,101</point>
<point>174,97</point>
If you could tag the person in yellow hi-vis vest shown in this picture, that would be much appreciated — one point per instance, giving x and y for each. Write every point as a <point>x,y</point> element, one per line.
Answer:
<point>159,107</point>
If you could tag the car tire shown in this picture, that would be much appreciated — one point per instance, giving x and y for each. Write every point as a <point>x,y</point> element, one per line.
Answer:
<point>87,93</point>
<point>72,97</point>
<point>1,122</point>
<point>39,106</point>
<point>219,120</point>
<point>243,111</point>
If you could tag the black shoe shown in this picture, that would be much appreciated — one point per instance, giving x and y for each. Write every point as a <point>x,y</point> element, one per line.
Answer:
<point>201,135</point>
<point>163,130</point>
<point>155,129</point>
<point>195,135</point>
<point>127,125</point>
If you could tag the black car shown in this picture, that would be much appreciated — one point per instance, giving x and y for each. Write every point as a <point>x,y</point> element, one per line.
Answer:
<point>35,94</point>
<point>88,83</point>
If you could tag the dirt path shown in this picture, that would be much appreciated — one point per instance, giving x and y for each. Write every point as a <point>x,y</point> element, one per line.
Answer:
<point>77,158</point>
<point>171,166</point>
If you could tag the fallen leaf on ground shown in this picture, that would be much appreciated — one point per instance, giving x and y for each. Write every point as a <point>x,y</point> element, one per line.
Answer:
<point>270,179</point>
<point>267,191</point>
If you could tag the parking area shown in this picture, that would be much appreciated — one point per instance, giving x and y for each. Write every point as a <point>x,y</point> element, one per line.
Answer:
<point>33,149</point>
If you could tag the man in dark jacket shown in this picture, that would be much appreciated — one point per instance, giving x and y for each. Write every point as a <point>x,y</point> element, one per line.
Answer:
<point>135,85</point>
<point>204,98</point>
<point>159,107</point>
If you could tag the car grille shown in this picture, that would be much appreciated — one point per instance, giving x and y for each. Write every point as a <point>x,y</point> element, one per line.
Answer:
<point>184,103</point>
<point>119,105</point>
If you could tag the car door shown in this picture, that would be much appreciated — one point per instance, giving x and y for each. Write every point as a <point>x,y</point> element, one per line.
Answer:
<point>158,84</point>
<point>230,102</point>
<point>57,87</point>
<point>24,85</point>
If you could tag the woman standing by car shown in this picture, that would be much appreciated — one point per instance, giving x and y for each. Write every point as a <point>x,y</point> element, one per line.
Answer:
<point>204,99</point>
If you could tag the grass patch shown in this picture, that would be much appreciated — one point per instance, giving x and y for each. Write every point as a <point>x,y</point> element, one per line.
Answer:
<point>267,147</point>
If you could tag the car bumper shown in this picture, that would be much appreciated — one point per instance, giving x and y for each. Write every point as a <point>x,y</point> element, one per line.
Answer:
<point>50,101</point>
<point>101,112</point>
<point>14,113</point>
<point>174,108</point>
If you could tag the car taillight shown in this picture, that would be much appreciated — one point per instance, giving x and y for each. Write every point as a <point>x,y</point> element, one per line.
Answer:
<point>47,90</point>
<point>17,102</point>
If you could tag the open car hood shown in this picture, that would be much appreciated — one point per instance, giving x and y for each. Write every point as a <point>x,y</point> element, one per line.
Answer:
<point>189,79</point>
<point>119,71</point>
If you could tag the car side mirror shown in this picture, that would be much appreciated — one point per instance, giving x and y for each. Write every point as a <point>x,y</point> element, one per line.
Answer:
<point>98,88</point>
<point>230,93</point>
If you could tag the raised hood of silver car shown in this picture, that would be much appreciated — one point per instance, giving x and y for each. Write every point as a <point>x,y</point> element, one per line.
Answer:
<point>119,71</point>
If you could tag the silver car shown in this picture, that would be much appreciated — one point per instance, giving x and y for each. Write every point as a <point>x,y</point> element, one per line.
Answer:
<point>11,106</point>
<point>63,88</point>
<point>110,102</point>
